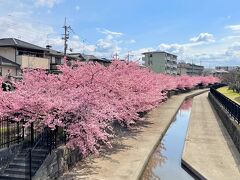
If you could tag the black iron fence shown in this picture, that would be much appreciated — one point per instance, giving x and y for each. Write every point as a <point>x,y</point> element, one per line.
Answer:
<point>33,141</point>
<point>15,132</point>
<point>47,140</point>
<point>232,107</point>
<point>11,132</point>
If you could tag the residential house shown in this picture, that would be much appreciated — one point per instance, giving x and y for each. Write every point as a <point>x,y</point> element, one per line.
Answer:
<point>161,62</point>
<point>23,53</point>
<point>220,73</point>
<point>190,69</point>
<point>56,58</point>
<point>90,58</point>
<point>28,55</point>
<point>8,68</point>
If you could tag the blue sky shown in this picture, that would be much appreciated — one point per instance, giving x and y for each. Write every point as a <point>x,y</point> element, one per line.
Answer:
<point>206,31</point>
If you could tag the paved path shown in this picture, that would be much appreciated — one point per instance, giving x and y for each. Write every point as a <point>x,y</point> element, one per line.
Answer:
<point>128,158</point>
<point>209,149</point>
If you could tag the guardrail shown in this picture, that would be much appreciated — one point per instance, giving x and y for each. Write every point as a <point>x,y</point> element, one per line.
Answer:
<point>232,107</point>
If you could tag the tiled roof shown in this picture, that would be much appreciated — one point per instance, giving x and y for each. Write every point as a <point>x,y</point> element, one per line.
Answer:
<point>12,42</point>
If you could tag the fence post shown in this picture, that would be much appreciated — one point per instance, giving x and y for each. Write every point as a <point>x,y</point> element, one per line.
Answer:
<point>32,134</point>
<point>8,133</point>
<point>50,138</point>
<point>23,130</point>
<point>18,133</point>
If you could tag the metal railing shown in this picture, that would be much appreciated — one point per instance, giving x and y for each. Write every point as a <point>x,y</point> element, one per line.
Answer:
<point>14,132</point>
<point>31,139</point>
<point>11,132</point>
<point>232,107</point>
<point>47,140</point>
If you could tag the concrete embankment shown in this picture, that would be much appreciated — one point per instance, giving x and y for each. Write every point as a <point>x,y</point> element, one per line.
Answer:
<point>230,124</point>
<point>209,151</point>
<point>130,155</point>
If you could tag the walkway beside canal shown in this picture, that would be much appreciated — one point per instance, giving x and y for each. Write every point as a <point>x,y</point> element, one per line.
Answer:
<point>209,150</point>
<point>130,154</point>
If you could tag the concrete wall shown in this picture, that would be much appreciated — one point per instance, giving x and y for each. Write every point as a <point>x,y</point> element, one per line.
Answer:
<point>33,62</point>
<point>59,161</point>
<point>8,53</point>
<point>232,127</point>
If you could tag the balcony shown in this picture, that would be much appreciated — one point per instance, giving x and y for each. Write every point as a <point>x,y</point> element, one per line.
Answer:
<point>171,65</point>
<point>33,62</point>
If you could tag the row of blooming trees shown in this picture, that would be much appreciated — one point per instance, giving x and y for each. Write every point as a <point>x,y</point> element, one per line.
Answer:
<point>87,98</point>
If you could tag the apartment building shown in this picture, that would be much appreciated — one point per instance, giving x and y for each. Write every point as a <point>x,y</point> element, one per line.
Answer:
<point>228,68</point>
<point>161,62</point>
<point>190,69</point>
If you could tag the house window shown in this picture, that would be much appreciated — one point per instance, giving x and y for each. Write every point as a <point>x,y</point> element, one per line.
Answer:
<point>150,55</point>
<point>58,60</point>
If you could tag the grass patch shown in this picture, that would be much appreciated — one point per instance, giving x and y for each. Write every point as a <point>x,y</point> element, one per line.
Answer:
<point>230,94</point>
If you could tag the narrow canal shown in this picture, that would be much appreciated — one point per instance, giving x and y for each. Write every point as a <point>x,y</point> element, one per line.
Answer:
<point>165,163</point>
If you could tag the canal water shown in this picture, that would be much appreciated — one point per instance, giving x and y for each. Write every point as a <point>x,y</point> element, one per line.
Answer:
<point>165,162</point>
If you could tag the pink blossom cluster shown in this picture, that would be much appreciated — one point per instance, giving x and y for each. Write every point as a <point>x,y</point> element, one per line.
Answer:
<point>87,98</point>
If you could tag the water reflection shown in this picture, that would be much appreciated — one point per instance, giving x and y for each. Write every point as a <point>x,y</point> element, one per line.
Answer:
<point>186,106</point>
<point>157,159</point>
<point>165,162</point>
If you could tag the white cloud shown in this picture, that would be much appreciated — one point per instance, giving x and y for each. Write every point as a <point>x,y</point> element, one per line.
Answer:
<point>75,37</point>
<point>234,27</point>
<point>110,44</point>
<point>12,26</point>
<point>137,54</point>
<point>225,51</point>
<point>77,8</point>
<point>41,34</point>
<point>231,38</point>
<point>108,32</point>
<point>234,50</point>
<point>47,3</point>
<point>203,37</point>
<point>132,41</point>
<point>173,48</point>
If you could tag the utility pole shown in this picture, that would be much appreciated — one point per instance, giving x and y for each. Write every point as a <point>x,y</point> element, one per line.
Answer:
<point>192,67</point>
<point>83,46</point>
<point>116,56</point>
<point>66,36</point>
<point>129,55</point>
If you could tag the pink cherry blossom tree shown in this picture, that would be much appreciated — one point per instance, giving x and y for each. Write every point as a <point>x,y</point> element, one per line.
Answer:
<point>86,98</point>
